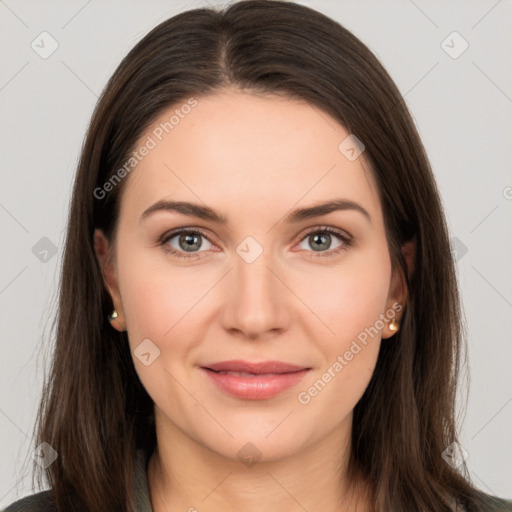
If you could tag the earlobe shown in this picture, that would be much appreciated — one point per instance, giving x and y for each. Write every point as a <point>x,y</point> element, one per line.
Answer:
<point>103,254</point>
<point>398,290</point>
<point>116,321</point>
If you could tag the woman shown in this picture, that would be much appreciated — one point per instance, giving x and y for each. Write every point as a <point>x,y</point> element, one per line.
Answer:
<point>258,305</point>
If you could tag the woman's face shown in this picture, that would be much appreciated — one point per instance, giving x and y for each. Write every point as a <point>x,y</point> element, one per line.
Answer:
<point>265,284</point>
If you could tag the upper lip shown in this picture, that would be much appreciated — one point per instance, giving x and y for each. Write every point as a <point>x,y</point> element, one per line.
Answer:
<point>256,368</point>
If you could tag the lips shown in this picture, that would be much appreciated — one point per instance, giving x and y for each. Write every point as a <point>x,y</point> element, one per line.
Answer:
<point>254,381</point>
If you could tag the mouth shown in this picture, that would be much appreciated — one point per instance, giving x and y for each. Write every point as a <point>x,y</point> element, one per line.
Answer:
<point>254,381</point>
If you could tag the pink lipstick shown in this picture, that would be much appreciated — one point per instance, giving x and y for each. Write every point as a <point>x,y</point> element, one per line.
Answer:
<point>254,381</point>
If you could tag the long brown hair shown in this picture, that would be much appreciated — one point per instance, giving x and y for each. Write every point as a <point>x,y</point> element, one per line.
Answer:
<point>95,412</point>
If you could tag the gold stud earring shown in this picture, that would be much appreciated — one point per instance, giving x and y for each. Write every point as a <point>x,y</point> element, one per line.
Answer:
<point>113,316</point>
<point>393,326</point>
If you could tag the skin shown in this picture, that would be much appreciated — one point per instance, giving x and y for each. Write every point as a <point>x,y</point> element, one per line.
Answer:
<point>253,159</point>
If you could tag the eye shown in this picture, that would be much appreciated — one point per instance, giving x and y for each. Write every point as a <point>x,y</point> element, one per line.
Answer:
<point>185,243</point>
<point>188,242</point>
<point>321,239</point>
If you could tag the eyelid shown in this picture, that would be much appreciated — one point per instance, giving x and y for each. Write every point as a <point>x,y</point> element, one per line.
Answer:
<point>344,235</point>
<point>185,229</point>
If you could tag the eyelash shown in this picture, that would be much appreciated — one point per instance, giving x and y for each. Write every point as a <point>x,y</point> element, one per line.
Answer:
<point>196,231</point>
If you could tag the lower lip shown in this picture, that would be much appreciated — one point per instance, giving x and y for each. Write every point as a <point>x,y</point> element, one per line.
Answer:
<point>260,387</point>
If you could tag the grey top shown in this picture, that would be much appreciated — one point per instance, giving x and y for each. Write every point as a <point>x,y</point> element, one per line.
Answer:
<point>41,502</point>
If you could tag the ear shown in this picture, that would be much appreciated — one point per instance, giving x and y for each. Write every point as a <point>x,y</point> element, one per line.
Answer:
<point>104,255</point>
<point>397,297</point>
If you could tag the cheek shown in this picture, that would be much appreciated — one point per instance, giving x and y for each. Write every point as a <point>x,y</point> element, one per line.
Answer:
<point>159,304</point>
<point>350,300</point>
<point>157,297</point>
<point>350,297</point>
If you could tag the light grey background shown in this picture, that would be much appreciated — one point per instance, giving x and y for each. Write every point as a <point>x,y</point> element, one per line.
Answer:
<point>462,107</point>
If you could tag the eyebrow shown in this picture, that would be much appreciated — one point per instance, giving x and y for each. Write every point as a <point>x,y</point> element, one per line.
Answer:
<point>298,215</point>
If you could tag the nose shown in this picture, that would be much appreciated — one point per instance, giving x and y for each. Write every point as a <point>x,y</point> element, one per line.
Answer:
<point>257,304</point>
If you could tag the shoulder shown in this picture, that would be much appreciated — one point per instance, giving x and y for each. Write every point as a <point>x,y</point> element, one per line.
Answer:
<point>44,501</point>
<point>39,502</point>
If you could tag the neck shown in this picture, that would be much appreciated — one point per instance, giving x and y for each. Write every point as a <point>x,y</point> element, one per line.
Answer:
<point>184,475</point>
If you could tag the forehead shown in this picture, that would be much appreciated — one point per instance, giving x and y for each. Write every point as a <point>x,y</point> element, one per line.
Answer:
<point>249,154</point>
